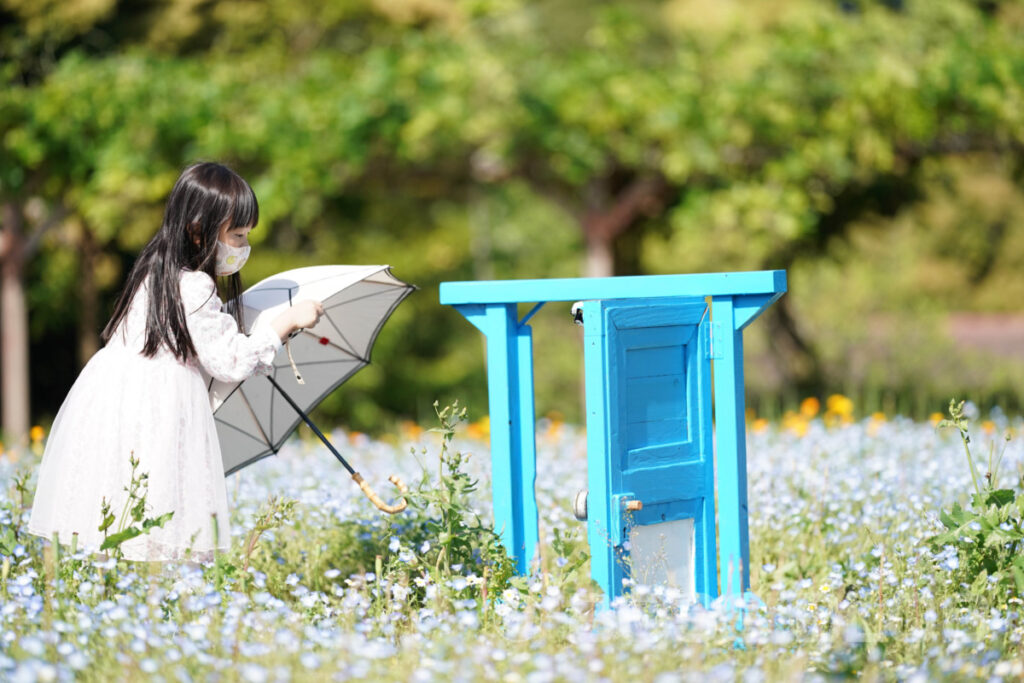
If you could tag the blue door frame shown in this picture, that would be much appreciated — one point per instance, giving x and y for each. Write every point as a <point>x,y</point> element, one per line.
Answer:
<point>737,299</point>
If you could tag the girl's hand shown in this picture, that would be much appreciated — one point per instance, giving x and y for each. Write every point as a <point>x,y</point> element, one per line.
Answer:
<point>305,313</point>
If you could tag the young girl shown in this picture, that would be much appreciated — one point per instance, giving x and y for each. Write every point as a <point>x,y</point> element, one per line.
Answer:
<point>142,395</point>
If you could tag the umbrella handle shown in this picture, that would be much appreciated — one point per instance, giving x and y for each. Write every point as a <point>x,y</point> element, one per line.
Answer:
<point>376,500</point>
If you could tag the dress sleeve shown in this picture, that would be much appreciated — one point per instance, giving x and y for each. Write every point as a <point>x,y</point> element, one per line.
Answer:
<point>224,352</point>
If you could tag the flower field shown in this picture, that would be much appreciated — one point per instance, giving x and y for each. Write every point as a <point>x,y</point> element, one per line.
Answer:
<point>843,579</point>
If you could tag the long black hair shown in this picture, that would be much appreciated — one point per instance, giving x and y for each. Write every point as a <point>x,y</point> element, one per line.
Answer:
<point>205,196</point>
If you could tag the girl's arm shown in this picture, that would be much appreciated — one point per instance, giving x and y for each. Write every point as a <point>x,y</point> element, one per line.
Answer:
<point>224,352</point>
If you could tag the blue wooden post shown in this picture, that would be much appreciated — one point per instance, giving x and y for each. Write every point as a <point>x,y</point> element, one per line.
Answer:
<point>513,440</point>
<point>600,525</point>
<point>731,448</point>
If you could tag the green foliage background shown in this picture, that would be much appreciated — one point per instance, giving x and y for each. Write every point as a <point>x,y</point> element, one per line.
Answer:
<point>873,149</point>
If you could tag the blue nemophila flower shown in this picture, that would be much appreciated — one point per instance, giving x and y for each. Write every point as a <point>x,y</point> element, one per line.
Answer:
<point>253,673</point>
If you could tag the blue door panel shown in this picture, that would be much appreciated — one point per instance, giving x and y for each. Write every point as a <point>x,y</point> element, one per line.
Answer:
<point>654,443</point>
<point>662,484</point>
<point>654,361</point>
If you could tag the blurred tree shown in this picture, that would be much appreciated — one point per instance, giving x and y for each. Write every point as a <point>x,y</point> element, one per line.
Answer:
<point>655,127</point>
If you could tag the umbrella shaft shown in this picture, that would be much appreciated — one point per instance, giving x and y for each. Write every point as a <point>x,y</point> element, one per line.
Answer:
<point>316,430</point>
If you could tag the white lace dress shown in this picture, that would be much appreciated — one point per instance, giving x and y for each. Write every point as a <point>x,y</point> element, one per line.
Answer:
<point>124,403</point>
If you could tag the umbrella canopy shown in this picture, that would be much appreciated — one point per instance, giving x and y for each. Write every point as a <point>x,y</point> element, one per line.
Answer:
<point>253,417</point>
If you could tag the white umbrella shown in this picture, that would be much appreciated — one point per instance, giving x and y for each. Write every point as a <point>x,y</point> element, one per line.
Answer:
<point>255,417</point>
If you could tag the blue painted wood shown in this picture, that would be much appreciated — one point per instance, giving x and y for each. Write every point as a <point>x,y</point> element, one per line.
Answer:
<point>600,524</point>
<point>639,286</point>
<point>653,406</point>
<point>525,501</point>
<point>513,444</point>
<point>706,576</point>
<point>648,432</point>
<point>748,307</point>
<point>730,438</point>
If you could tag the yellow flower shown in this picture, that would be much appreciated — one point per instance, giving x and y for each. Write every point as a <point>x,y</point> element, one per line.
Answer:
<point>810,407</point>
<point>935,418</point>
<point>840,405</point>
<point>988,426</point>
<point>411,430</point>
<point>481,429</point>
<point>759,425</point>
<point>795,423</point>
<point>36,434</point>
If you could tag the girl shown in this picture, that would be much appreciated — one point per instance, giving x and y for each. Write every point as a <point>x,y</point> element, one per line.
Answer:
<point>142,395</point>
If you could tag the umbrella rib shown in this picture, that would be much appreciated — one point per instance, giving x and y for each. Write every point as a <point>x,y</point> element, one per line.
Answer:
<point>317,363</point>
<point>330,343</point>
<point>246,463</point>
<point>340,334</point>
<point>380,322</point>
<point>383,319</point>
<point>243,432</point>
<point>256,419</point>
<point>361,297</point>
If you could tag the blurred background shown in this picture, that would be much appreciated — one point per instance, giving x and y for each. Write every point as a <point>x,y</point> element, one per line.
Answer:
<point>872,148</point>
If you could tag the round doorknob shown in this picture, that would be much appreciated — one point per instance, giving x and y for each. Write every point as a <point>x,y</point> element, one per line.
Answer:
<point>579,505</point>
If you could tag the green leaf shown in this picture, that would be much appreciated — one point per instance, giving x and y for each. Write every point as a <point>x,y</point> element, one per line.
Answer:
<point>120,537</point>
<point>107,521</point>
<point>1018,577</point>
<point>1000,497</point>
<point>999,538</point>
<point>139,510</point>
<point>157,522</point>
<point>943,539</point>
<point>7,542</point>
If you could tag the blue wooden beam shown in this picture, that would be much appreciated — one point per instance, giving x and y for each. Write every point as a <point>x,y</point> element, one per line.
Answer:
<point>577,289</point>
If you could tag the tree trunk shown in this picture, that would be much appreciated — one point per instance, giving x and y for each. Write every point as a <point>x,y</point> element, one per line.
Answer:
<point>600,258</point>
<point>14,386</point>
<point>609,214</point>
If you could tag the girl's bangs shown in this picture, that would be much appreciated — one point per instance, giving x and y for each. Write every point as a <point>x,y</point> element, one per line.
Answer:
<point>245,211</point>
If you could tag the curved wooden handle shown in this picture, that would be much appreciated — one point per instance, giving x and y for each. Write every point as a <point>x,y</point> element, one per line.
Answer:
<point>376,500</point>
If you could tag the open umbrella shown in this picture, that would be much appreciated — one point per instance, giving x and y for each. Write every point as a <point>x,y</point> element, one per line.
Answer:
<point>254,417</point>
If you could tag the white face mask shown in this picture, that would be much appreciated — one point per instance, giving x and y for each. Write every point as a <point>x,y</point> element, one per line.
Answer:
<point>230,259</point>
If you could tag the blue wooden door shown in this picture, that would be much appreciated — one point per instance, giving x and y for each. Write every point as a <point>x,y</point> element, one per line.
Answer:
<point>649,441</point>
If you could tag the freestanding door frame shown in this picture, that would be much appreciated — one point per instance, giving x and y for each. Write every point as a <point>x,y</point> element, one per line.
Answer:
<point>737,299</point>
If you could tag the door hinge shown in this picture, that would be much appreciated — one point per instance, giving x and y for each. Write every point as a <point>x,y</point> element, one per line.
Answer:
<point>713,343</point>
